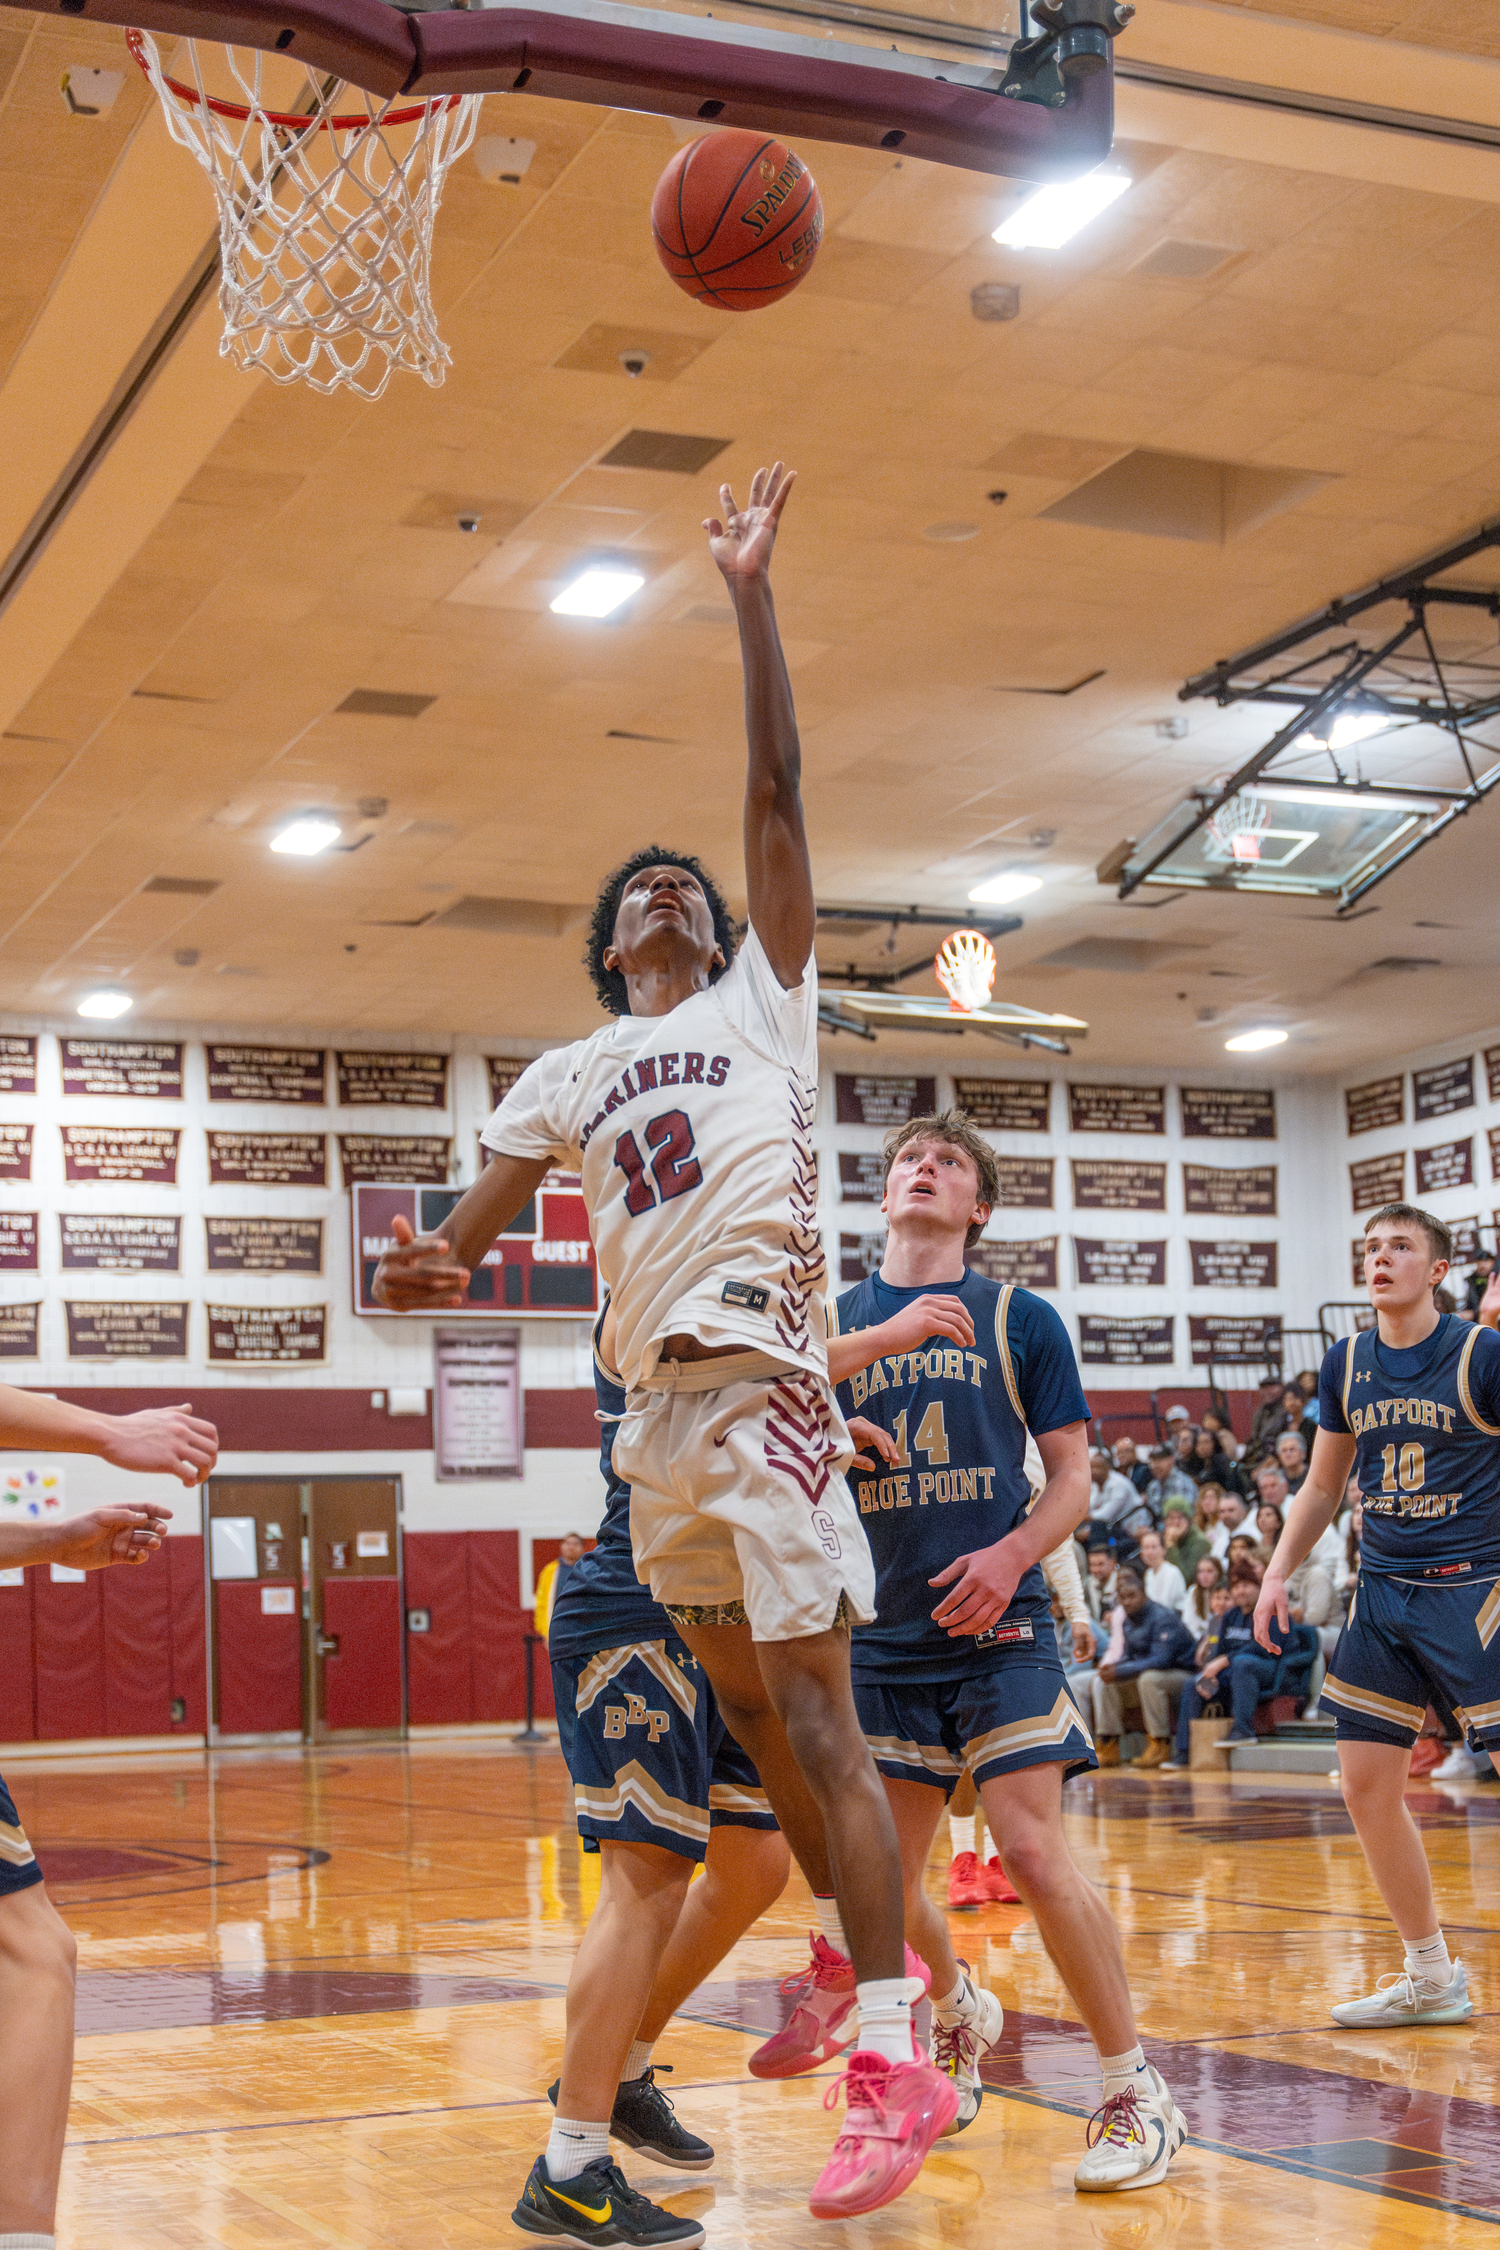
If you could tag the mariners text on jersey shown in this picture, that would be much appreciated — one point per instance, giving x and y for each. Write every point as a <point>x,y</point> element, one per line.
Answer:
<point>1426,1426</point>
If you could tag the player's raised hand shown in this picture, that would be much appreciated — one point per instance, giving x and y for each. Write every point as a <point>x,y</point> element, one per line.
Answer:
<point>116,1534</point>
<point>1489,1304</point>
<point>929,1316</point>
<point>741,541</point>
<point>987,1582</point>
<point>1271,1609</point>
<point>867,1433</point>
<point>170,1441</point>
<point>420,1274</point>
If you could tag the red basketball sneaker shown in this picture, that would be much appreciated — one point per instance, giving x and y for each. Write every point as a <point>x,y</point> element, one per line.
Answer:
<point>966,1882</point>
<point>826,2015</point>
<point>999,1890</point>
<point>895,2113</point>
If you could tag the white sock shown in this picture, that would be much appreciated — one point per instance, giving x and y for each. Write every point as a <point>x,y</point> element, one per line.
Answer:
<point>1120,2071</point>
<point>1427,1962</point>
<point>571,2144</point>
<point>957,2004</point>
<point>885,2017</point>
<point>962,1833</point>
<point>830,1924</point>
<point>638,2061</point>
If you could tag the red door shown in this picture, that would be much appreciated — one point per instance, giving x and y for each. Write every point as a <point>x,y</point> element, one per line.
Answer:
<point>355,1553</point>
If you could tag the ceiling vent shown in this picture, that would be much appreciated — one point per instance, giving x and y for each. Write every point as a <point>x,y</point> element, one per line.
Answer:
<point>1173,260</point>
<point>1179,496</point>
<point>664,449</point>
<point>167,695</point>
<point>181,886</point>
<point>509,917</point>
<point>380,703</point>
<point>1402,964</point>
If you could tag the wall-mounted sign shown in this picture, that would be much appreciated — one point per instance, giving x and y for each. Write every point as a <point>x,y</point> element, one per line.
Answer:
<point>1357,1261</point>
<point>1381,1102</point>
<point>503,1071</point>
<point>381,1080</point>
<point>1103,1183</point>
<point>1110,1340</point>
<point>1228,1113</point>
<point>18,1331</point>
<point>1492,1071</point>
<point>1117,1109</point>
<point>267,1074</point>
<point>259,1335</point>
<point>15,1152</point>
<point>18,1242</point>
<point>120,1242</point>
<point>1120,1265</point>
<point>1031,1265</point>
<point>476,1403</point>
<point>268,1159</point>
<point>1006,1105</point>
<point>1245,1193</point>
<point>1466,1243</point>
<point>1380,1179</point>
<point>1442,1089</point>
<point>543,1263</point>
<point>1023,1183</point>
<point>1233,1265</point>
<point>127,1331</point>
<point>395,1156</point>
<point>861,1175</point>
<point>1235,1339</point>
<point>861,1099</point>
<point>265,1245</point>
<point>1494,1140</point>
<point>1449,1165</point>
<point>149,1069</point>
<point>859,1256</point>
<point>17,1063</point>
<point>147,1153</point>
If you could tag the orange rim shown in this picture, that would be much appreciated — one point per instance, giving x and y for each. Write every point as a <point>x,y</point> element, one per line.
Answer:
<point>241,112</point>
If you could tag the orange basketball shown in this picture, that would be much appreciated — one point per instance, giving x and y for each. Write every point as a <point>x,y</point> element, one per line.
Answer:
<point>737,219</point>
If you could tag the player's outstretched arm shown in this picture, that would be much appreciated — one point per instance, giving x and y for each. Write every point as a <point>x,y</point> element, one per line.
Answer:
<point>429,1272</point>
<point>923,1317</point>
<point>1311,1511</point>
<point>115,1534</point>
<point>778,875</point>
<point>169,1441</point>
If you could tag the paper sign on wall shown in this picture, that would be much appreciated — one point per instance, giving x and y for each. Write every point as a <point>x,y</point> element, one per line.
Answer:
<point>231,1547</point>
<point>371,1543</point>
<point>63,1576</point>
<point>32,1491</point>
<point>278,1601</point>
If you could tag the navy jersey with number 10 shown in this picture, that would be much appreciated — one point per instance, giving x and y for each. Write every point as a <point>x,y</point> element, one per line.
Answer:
<point>960,1420</point>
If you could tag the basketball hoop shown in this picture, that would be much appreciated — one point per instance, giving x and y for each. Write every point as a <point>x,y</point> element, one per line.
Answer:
<point>325,218</point>
<point>965,968</point>
<point>1234,830</point>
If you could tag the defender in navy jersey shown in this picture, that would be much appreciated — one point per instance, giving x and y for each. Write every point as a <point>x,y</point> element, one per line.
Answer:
<point>1414,1405</point>
<point>959,1670</point>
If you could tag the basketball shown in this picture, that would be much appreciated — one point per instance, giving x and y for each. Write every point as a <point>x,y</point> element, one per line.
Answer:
<point>737,219</point>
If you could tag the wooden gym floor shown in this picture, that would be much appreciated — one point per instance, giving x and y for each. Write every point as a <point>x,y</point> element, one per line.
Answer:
<point>320,1998</point>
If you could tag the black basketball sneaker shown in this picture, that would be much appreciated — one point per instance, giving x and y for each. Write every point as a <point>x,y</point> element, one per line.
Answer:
<point>645,2120</point>
<point>597,2209</point>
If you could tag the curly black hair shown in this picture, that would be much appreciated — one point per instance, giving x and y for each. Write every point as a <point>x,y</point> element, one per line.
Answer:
<point>609,983</point>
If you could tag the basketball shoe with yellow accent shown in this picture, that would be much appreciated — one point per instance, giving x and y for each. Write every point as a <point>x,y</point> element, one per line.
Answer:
<point>1132,2138</point>
<point>598,2209</point>
<point>959,2047</point>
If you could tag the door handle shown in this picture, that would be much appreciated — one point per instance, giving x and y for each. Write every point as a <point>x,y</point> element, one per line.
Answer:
<point>327,1644</point>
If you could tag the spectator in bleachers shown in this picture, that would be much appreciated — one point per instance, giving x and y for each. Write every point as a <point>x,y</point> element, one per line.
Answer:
<point>1269,1523</point>
<point>1307,1384</point>
<point>1147,1678</point>
<point>1346,1569</point>
<point>1208,1579</point>
<point>1231,1669</point>
<point>1183,1543</point>
<point>1206,1464</point>
<point>1294,1407</point>
<point>1167,1482</point>
<point>1268,1422</point>
<point>1206,1519</point>
<point>1310,1600</point>
<point>1233,1513</point>
<point>1183,1437</point>
<point>1291,1452</point>
<point>1212,1419</point>
<point>1099,1581</point>
<point>1271,1484</point>
<point>1113,1503</point>
<point>1129,1463</point>
<point>1478,1282</point>
<point>1164,1581</point>
<point>1245,1549</point>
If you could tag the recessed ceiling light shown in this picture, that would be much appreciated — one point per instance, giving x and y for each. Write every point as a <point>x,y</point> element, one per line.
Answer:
<point>107,1004</point>
<point>1053,215</point>
<point>1251,1042</point>
<point>1001,889</point>
<point>949,534</point>
<point>1368,800</point>
<point>597,591</point>
<point>1348,728</point>
<point>305,838</point>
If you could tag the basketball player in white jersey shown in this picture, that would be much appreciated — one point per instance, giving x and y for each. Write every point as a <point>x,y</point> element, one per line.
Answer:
<point>689,1119</point>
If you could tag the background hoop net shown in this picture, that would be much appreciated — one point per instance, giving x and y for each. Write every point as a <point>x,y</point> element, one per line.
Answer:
<point>965,968</point>
<point>326,205</point>
<point>1234,831</point>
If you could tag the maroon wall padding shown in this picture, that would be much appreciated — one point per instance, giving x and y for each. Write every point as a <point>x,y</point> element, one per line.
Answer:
<point>189,1634</point>
<point>439,1678</point>
<point>18,1692</point>
<point>137,1622</point>
<point>499,1626</point>
<point>362,1684</point>
<point>264,1420</point>
<point>258,1662</point>
<point>69,1658</point>
<point>561,1418</point>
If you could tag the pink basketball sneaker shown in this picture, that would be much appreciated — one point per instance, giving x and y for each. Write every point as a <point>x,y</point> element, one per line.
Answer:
<point>826,2015</point>
<point>895,2113</point>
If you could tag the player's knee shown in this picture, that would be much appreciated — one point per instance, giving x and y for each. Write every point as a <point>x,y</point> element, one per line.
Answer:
<point>36,1940</point>
<point>1030,1858</point>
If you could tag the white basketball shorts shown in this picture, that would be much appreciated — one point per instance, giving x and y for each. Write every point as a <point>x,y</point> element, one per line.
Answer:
<point>737,1495</point>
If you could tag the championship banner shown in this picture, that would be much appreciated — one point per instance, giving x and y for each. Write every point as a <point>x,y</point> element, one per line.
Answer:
<point>1443,1089</point>
<point>1492,1071</point>
<point>1102,1183</point>
<point>1006,1105</point>
<point>859,1257</point>
<point>381,1080</point>
<point>18,1242</point>
<point>15,1152</point>
<point>1228,1194</point>
<point>1030,1265</point>
<point>19,1327</point>
<point>1120,1265</point>
<point>1449,1165</point>
<point>395,1156</point>
<point>123,1242</point>
<point>127,1331</point>
<point>543,1264</point>
<point>268,1159</point>
<point>1227,1113</point>
<point>17,1063</point>
<point>1023,1183</point>
<point>861,1176</point>
<point>1233,1265</point>
<point>1117,1109</point>
<point>1235,1339</point>
<point>1382,1102</point>
<point>260,1335</point>
<point>268,1074</point>
<point>147,1153</point>
<point>863,1100</point>
<point>149,1069</point>
<point>1357,1261</point>
<point>1467,1246</point>
<point>1113,1340</point>
<point>1380,1179</point>
<point>265,1245</point>
<point>1494,1140</point>
<point>502,1072</point>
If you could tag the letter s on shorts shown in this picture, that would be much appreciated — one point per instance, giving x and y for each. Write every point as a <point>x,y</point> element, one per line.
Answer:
<point>828,1538</point>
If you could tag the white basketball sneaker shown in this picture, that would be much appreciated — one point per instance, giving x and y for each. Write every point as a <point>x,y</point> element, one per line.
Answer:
<point>958,2048</point>
<point>1132,2139</point>
<point>1403,2000</point>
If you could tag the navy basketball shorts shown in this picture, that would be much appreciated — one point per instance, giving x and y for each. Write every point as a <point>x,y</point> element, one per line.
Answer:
<point>1017,1714</point>
<point>651,1760</point>
<point>1412,1641</point>
<point>18,1867</point>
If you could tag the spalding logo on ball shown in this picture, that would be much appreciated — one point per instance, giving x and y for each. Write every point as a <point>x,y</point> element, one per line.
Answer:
<point>737,220</point>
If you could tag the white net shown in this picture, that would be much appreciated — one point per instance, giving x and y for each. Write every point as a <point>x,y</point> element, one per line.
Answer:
<point>326,204</point>
<point>965,968</point>
<point>1234,831</point>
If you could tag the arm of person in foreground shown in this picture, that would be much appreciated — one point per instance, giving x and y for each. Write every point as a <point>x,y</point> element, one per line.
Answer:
<point>923,1317</point>
<point>168,1441</point>
<point>1310,1513</point>
<point>982,1585</point>
<point>430,1272</point>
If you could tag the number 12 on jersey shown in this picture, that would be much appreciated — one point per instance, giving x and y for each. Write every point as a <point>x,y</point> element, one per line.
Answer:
<point>673,1166</point>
